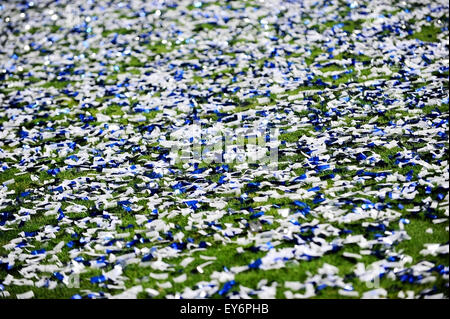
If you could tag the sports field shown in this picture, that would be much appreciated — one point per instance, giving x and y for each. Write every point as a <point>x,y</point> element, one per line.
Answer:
<point>224,149</point>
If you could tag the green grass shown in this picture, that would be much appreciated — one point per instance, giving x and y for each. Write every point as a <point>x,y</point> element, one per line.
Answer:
<point>160,52</point>
<point>427,34</point>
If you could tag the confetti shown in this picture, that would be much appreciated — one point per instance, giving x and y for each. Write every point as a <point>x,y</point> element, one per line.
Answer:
<point>226,154</point>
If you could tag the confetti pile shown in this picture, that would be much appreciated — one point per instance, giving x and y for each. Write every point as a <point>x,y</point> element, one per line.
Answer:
<point>92,204</point>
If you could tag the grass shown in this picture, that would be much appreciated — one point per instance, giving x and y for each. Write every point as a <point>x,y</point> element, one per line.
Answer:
<point>427,34</point>
<point>318,118</point>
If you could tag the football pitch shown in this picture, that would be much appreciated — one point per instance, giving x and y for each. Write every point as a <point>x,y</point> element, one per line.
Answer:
<point>224,149</point>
